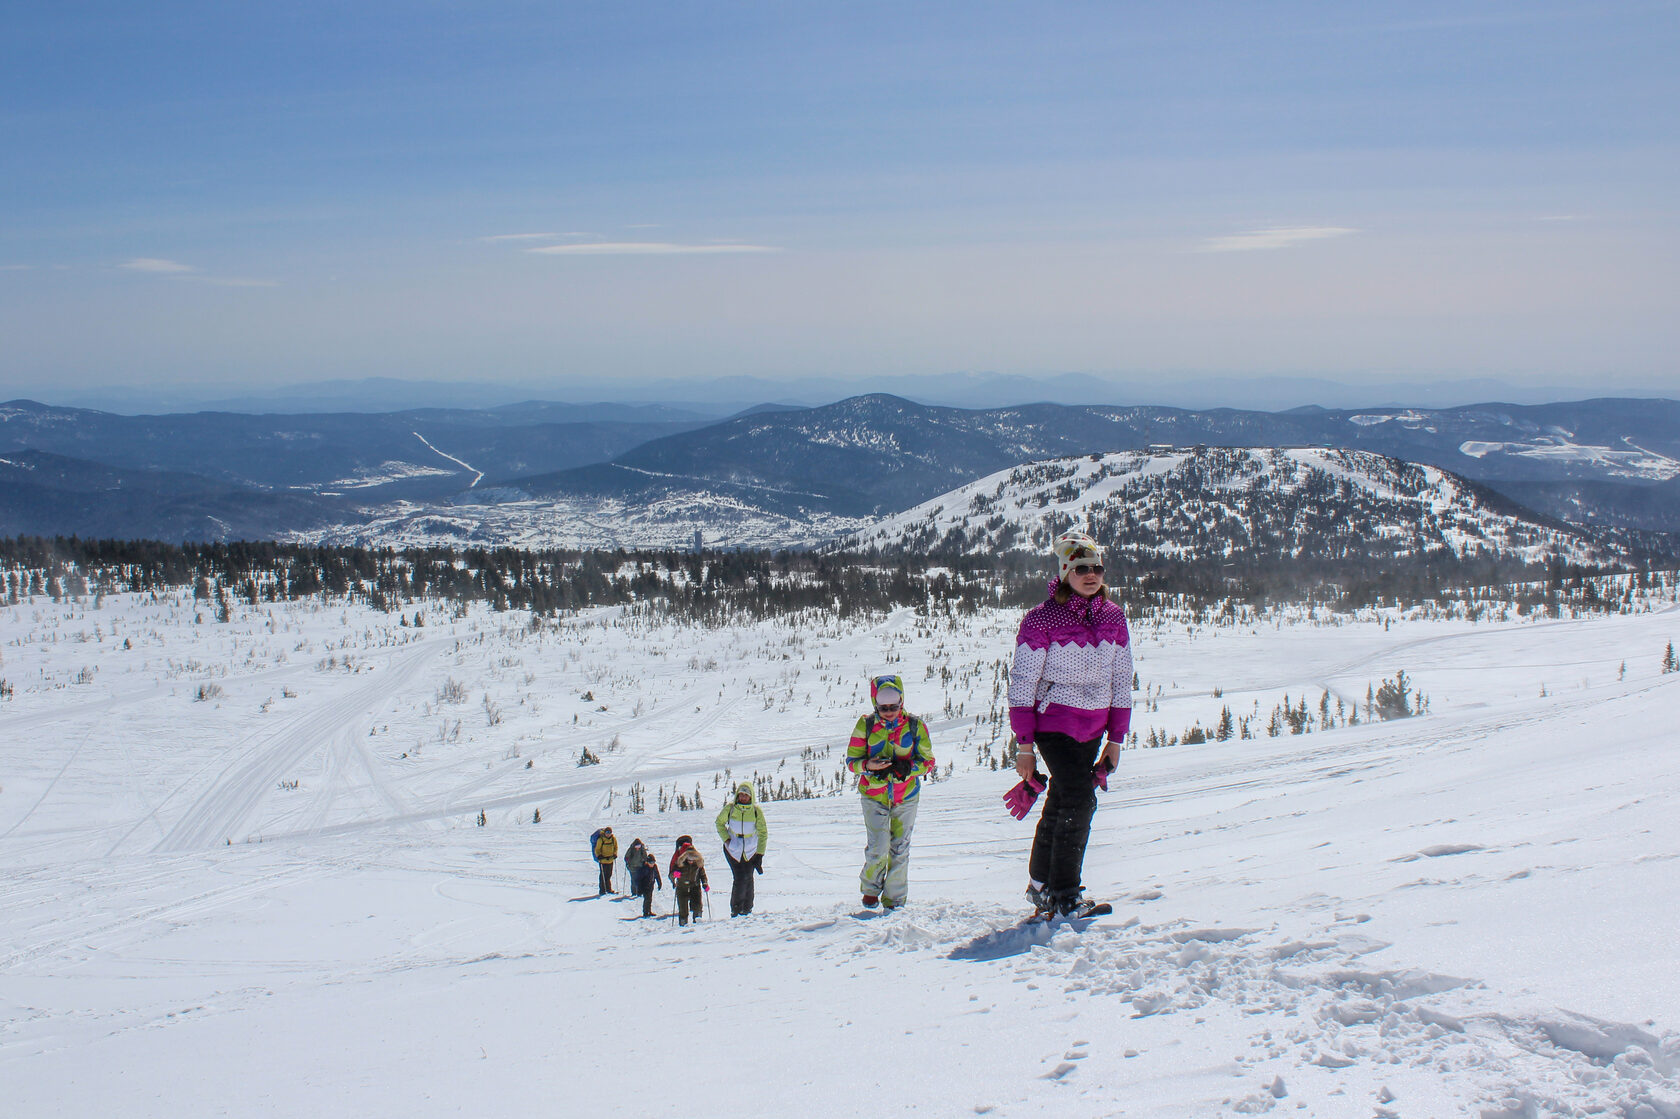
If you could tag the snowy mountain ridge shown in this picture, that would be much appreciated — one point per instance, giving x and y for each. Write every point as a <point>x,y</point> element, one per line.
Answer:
<point>1241,504</point>
<point>1249,503</point>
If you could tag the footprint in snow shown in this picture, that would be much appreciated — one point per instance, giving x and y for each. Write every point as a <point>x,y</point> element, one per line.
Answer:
<point>1440,850</point>
<point>1068,1063</point>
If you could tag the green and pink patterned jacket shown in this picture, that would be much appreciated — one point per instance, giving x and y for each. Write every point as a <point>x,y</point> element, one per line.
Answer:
<point>904,741</point>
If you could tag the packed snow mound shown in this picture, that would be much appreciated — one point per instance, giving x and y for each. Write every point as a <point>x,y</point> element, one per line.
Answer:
<point>1248,503</point>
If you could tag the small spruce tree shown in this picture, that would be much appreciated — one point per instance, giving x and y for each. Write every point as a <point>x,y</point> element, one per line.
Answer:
<point>1394,699</point>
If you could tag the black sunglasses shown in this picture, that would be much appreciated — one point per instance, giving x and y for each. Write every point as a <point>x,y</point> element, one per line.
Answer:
<point>1087,569</point>
<point>888,706</point>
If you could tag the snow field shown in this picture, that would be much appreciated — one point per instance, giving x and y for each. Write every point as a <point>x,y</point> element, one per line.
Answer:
<point>1466,913</point>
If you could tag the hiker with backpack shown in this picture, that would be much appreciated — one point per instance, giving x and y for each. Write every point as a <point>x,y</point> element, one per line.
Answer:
<point>604,846</point>
<point>688,879</point>
<point>741,827</point>
<point>889,751</point>
<point>1070,684</point>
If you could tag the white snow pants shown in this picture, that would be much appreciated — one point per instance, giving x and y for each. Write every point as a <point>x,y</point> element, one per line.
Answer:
<point>886,850</point>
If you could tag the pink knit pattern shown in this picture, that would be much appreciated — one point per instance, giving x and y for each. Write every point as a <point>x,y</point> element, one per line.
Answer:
<point>1072,672</point>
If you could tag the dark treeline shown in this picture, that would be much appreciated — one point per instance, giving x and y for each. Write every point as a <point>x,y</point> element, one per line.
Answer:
<point>719,586</point>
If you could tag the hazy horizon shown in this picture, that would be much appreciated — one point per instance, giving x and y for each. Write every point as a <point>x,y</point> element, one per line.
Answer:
<point>721,397</point>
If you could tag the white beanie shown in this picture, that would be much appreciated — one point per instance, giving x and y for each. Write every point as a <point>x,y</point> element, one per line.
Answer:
<point>1072,543</point>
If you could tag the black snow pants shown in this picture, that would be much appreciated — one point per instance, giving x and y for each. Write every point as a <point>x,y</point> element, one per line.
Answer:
<point>645,888</point>
<point>606,875</point>
<point>741,893</point>
<point>1064,826</point>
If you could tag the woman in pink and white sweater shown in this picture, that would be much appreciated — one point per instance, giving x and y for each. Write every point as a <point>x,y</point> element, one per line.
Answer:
<point>1070,684</point>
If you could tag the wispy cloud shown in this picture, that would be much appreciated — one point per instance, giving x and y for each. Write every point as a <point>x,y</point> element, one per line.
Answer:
<point>14,267</point>
<point>497,238</point>
<point>1283,237</point>
<point>156,266</point>
<point>651,248</point>
<point>160,266</point>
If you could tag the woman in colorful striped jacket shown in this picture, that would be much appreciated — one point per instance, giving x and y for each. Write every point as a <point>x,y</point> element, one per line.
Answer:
<point>889,751</point>
<point>1069,685</point>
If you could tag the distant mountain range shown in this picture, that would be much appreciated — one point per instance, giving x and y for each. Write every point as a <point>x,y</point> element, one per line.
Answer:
<point>714,398</point>
<point>1599,461</point>
<point>537,473</point>
<point>374,457</point>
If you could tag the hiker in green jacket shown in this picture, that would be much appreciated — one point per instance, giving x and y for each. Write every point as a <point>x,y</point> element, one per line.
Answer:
<point>741,827</point>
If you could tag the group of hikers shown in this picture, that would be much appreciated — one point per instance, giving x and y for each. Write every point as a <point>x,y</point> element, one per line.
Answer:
<point>742,829</point>
<point>1070,707</point>
<point>687,873</point>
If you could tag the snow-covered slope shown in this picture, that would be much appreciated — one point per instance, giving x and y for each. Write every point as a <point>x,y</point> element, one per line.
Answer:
<point>1223,503</point>
<point>240,873</point>
<point>1629,461</point>
<point>723,520</point>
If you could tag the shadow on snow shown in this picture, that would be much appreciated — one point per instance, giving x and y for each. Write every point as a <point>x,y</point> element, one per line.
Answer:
<point>1000,944</point>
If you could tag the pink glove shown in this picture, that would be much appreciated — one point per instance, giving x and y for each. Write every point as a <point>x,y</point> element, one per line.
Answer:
<point>1099,775</point>
<point>1022,797</point>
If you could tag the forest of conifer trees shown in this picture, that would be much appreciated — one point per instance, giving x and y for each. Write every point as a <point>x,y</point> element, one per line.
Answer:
<point>716,586</point>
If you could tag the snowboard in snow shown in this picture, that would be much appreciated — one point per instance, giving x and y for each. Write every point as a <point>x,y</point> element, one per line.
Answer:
<point>1100,909</point>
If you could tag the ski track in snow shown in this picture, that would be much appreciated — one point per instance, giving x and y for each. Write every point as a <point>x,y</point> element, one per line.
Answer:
<point>217,815</point>
<point>361,948</point>
<point>478,475</point>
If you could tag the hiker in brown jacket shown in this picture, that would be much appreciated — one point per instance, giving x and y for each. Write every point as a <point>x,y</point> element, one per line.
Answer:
<point>688,878</point>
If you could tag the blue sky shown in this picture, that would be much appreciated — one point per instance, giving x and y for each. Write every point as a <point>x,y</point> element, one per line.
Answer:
<point>563,195</point>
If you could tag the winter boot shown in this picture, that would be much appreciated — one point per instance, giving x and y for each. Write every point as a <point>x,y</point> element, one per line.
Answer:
<point>1076,908</point>
<point>870,901</point>
<point>1044,905</point>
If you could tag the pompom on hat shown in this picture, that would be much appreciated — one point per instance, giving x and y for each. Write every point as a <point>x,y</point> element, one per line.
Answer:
<point>1075,544</point>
